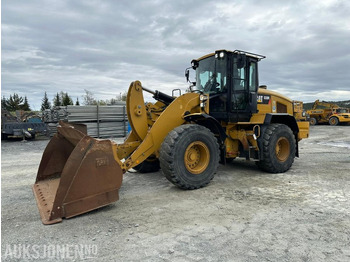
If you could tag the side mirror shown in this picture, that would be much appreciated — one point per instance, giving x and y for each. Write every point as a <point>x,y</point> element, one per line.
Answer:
<point>187,74</point>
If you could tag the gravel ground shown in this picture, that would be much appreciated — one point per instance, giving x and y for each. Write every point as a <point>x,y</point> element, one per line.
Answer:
<point>243,215</point>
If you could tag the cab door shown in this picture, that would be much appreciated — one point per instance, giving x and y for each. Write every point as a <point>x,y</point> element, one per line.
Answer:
<point>243,89</point>
<point>253,83</point>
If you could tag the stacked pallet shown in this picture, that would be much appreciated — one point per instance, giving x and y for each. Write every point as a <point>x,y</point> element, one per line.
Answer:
<point>101,121</point>
<point>55,114</point>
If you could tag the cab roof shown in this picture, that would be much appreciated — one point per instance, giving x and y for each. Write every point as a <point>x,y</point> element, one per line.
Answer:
<point>259,57</point>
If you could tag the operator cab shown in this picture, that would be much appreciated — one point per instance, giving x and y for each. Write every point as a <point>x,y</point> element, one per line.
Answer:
<point>231,80</point>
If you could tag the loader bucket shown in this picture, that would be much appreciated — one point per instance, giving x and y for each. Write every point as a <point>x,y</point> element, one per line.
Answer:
<point>77,174</point>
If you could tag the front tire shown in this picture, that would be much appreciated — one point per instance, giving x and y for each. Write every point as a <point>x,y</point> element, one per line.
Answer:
<point>189,156</point>
<point>333,121</point>
<point>278,147</point>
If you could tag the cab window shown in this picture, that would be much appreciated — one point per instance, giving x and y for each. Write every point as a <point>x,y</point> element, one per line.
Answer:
<point>252,77</point>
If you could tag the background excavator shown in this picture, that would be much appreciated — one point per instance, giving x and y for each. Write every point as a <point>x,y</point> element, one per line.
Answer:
<point>325,112</point>
<point>223,115</point>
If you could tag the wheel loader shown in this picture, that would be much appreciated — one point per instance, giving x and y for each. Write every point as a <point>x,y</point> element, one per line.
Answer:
<point>223,115</point>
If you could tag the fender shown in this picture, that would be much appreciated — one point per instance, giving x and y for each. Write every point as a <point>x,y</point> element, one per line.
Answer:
<point>282,118</point>
<point>209,122</point>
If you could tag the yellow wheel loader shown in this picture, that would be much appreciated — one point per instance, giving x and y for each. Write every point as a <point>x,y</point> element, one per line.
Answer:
<point>223,115</point>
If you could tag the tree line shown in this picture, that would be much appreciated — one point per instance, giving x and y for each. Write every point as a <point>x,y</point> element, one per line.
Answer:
<point>90,100</point>
<point>60,99</point>
<point>16,102</point>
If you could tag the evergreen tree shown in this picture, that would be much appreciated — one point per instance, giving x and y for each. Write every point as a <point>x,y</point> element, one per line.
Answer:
<point>77,102</point>
<point>66,100</point>
<point>14,102</point>
<point>4,103</point>
<point>25,105</point>
<point>57,100</point>
<point>45,103</point>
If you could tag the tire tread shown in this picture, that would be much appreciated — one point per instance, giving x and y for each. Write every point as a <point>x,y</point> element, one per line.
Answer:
<point>167,153</point>
<point>266,164</point>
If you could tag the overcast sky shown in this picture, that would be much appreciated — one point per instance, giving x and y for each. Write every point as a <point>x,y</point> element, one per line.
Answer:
<point>102,46</point>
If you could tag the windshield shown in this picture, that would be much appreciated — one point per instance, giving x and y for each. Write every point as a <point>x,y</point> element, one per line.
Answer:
<point>341,110</point>
<point>211,75</point>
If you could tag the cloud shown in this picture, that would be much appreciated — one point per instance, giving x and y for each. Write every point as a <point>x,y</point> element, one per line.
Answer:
<point>70,46</point>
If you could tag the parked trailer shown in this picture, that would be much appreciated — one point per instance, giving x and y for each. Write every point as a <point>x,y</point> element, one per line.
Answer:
<point>22,129</point>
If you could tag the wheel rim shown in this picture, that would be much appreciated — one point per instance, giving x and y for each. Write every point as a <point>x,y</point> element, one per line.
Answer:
<point>282,149</point>
<point>333,121</point>
<point>312,121</point>
<point>197,157</point>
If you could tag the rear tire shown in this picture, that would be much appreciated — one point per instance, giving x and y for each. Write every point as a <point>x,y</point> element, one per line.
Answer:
<point>229,160</point>
<point>313,121</point>
<point>333,121</point>
<point>149,165</point>
<point>278,147</point>
<point>189,156</point>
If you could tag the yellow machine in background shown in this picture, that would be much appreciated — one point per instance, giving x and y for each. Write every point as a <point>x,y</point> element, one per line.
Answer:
<point>223,116</point>
<point>299,112</point>
<point>324,112</point>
